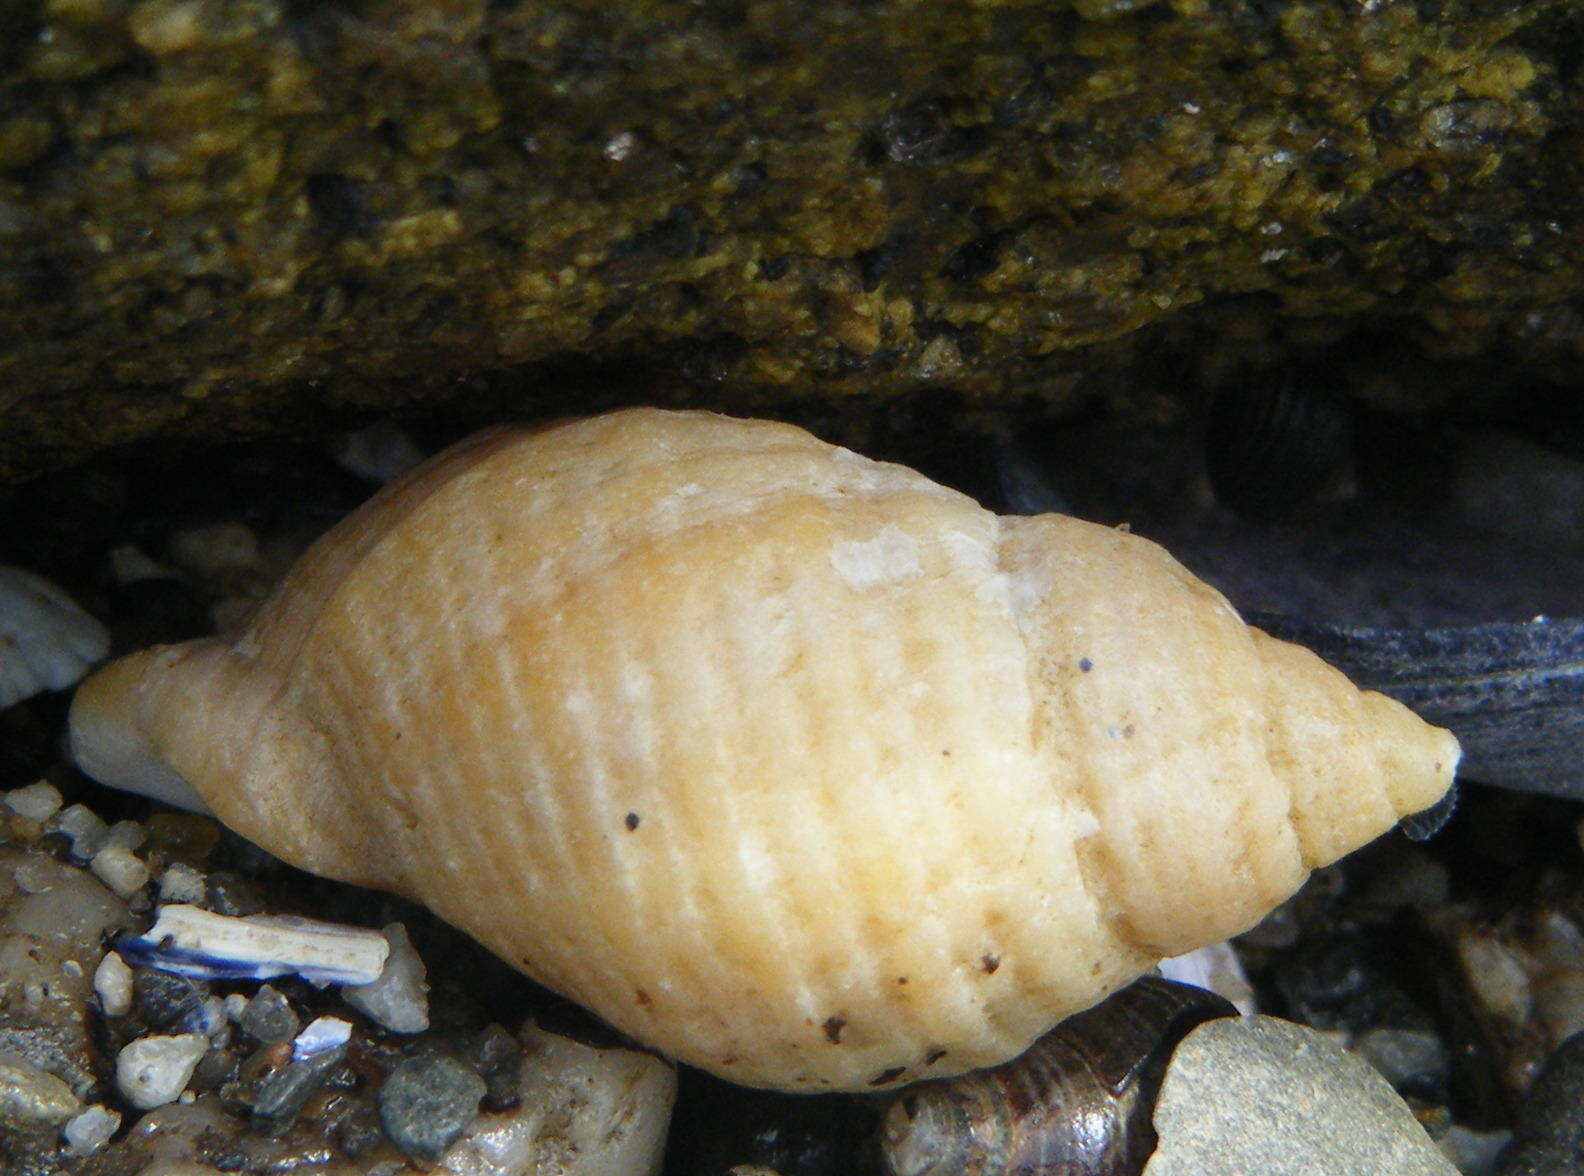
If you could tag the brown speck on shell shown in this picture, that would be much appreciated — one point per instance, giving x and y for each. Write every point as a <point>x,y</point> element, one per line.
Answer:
<point>833,1029</point>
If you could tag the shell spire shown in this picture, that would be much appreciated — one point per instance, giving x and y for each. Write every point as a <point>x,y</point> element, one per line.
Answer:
<point>794,765</point>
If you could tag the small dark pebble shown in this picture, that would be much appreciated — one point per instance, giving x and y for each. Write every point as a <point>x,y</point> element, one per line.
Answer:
<point>160,999</point>
<point>427,1103</point>
<point>231,894</point>
<point>215,1069</point>
<point>496,1055</point>
<point>282,1095</point>
<point>1548,1132</point>
<point>359,1132</point>
<point>268,1017</point>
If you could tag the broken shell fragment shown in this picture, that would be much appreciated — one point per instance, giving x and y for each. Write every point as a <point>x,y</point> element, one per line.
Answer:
<point>1078,1102</point>
<point>791,764</point>
<point>190,941</point>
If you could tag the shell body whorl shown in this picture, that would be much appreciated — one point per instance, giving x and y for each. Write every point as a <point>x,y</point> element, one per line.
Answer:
<point>794,765</point>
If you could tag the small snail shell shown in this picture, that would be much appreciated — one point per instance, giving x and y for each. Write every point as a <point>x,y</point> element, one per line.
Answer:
<point>1077,1103</point>
<point>794,765</point>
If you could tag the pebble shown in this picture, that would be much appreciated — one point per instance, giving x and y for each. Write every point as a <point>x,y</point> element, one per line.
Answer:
<point>427,1103</point>
<point>1475,1153</point>
<point>232,895</point>
<point>36,802</point>
<point>31,1099</point>
<point>268,1017</point>
<point>379,452</point>
<point>83,829</point>
<point>281,1096</point>
<point>89,1131</point>
<point>153,1071</point>
<point>113,983</point>
<point>399,998</point>
<point>1412,1058</point>
<point>580,1111</point>
<point>1548,1131</point>
<point>162,998</point>
<point>1261,1095</point>
<point>120,869</point>
<point>126,835</point>
<point>181,883</point>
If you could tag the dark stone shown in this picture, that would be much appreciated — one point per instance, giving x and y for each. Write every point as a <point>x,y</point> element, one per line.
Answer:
<point>231,894</point>
<point>282,1094</point>
<point>427,1103</point>
<point>1548,1131</point>
<point>160,998</point>
<point>269,1018</point>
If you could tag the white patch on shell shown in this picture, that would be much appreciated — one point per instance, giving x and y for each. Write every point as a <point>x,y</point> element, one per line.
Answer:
<point>891,557</point>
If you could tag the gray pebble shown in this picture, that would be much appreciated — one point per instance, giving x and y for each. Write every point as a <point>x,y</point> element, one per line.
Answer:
<point>427,1103</point>
<point>88,1132</point>
<point>1474,1152</point>
<point>399,998</point>
<point>281,1096</point>
<point>268,1017</point>
<point>1405,1057</point>
<point>1261,1095</point>
<point>31,1099</point>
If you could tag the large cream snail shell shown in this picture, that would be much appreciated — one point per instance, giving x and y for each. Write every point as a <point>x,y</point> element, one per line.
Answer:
<point>794,765</point>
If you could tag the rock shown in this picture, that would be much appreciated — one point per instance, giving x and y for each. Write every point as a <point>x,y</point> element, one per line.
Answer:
<point>32,1100</point>
<point>268,1017</point>
<point>796,201</point>
<point>36,802</point>
<point>281,1095</point>
<point>152,1071</point>
<point>113,984</point>
<point>1475,1153</point>
<point>120,869</point>
<point>399,999</point>
<point>1406,1057</point>
<point>182,884</point>
<point>1548,1131</point>
<point>83,827</point>
<point>89,1131</point>
<point>427,1103</point>
<point>53,920</point>
<point>581,1111</point>
<point>1261,1095</point>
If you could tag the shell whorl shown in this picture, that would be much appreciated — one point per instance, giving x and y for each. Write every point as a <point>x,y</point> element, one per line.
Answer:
<point>792,764</point>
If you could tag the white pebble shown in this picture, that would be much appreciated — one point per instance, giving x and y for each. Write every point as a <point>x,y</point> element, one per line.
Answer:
<point>399,998</point>
<point>37,802</point>
<point>235,1005</point>
<point>153,1071</point>
<point>88,1132</point>
<point>113,984</point>
<point>119,869</point>
<point>322,1033</point>
<point>86,831</point>
<point>48,640</point>
<point>180,883</point>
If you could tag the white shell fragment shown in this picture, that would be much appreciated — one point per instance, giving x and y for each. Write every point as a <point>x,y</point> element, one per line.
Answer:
<point>46,641</point>
<point>86,1133</point>
<point>1217,968</point>
<point>322,1034</point>
<point>194,942</point>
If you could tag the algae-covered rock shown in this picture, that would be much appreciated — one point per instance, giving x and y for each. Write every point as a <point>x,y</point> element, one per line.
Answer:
<point>218,214</point>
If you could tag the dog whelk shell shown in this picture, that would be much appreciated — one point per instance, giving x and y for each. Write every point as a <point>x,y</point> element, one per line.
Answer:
<point>791,764</point>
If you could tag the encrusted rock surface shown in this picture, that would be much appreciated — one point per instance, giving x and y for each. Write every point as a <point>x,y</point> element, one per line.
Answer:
<point>216,215</point>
